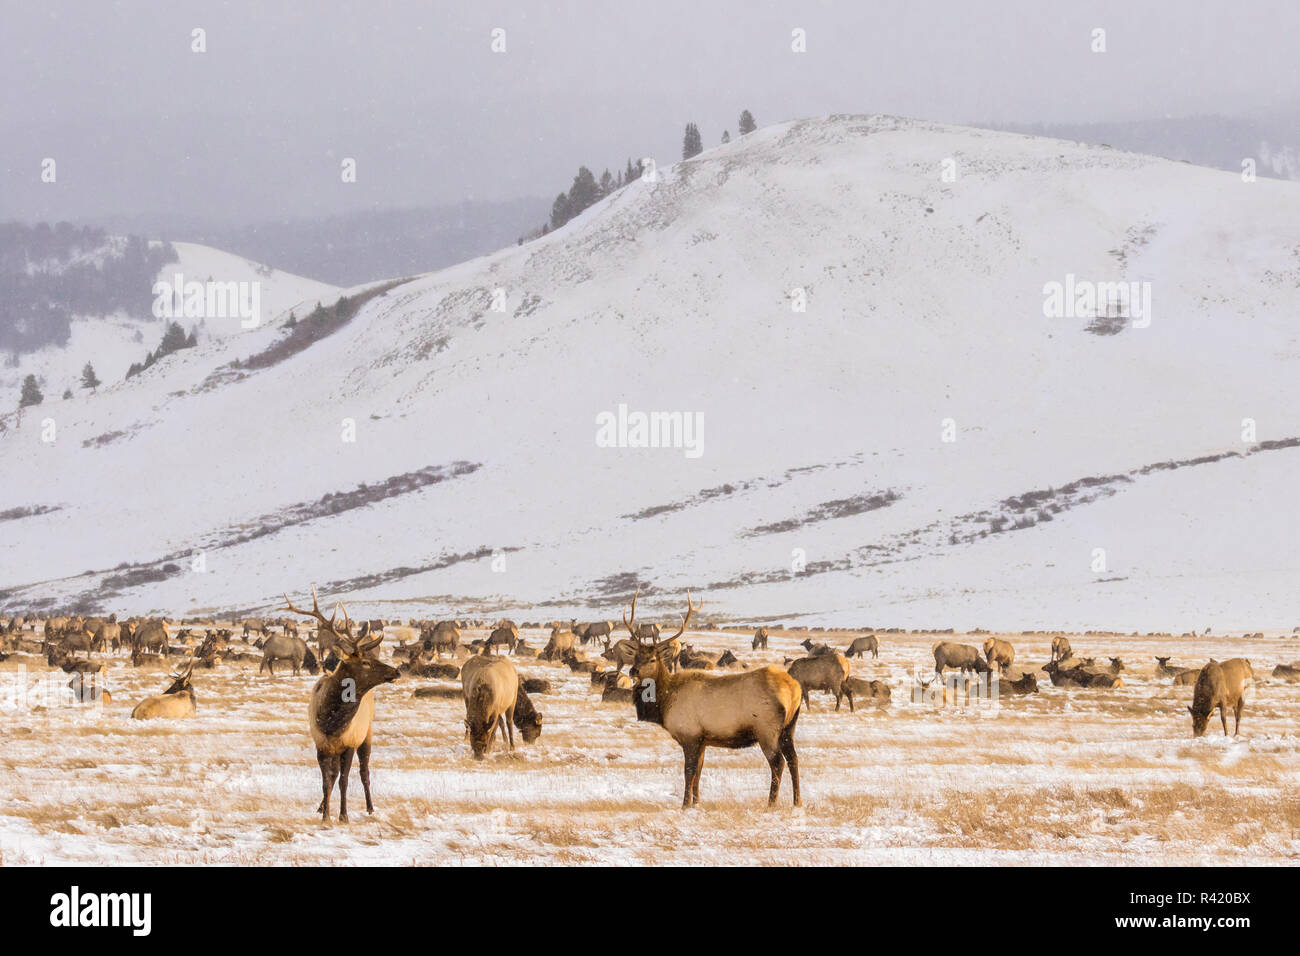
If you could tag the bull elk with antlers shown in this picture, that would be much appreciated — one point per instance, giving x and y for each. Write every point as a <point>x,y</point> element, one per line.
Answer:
<point>176,701</point>
<point>701,710</point>
<point>341,712</point>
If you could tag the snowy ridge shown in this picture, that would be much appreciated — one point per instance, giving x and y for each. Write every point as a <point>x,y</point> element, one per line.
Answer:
<point>822,429</point>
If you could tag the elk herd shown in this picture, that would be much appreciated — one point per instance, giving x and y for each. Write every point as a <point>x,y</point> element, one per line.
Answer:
<point>700,699</point>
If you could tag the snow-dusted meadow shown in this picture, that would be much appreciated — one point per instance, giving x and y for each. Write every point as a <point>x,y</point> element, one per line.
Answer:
<point>1066,776</point>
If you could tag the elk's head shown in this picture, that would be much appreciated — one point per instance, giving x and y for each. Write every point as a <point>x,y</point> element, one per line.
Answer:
<point>357,661</point>
<point>651,654</point>
<point>181,679</point>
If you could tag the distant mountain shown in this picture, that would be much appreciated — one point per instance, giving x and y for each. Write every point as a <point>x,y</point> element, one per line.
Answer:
<point>354,248</point>
<point>902,409</point>
<point>1214,141</point>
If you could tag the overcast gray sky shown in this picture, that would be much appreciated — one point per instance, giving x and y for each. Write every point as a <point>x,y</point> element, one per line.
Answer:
<point>255,127</point>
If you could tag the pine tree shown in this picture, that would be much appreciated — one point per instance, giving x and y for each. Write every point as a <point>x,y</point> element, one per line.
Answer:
<point>31,393</point>
<point>173,339</point>
<point>560,211</point>
<point>726,137</point>
<point>606,183</point>
<point>583,192</point>
<point>692,145</point>
<point>747,124</point>
<point>88,377</point>
<point>67,393</point>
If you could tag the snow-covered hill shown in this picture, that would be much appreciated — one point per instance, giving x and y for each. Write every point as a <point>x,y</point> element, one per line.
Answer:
<point>824,489</point>
<point>111,344</point>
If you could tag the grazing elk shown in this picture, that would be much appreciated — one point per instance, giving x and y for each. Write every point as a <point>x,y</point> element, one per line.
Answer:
<point>760,639</point>
<point>178,700</point>
<point>283,647</point>
<point>703,710</point>
<point>1061,649</point>
<point>964,657</point>
<point>491,689</point>
<point>1223,686</point>
<point>1000,652</point>
<point>504,635</point>
<point>153,636</point>
<point>444,636</point>
<point>828,672</point>
<point>861,646</point>
<point>528,720</point>
<point>341,711</point>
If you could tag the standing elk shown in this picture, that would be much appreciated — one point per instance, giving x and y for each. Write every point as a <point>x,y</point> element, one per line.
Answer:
<point>1223,686</point>
<point>341,712</point>
<point>760,639</point>
<point>1000,652</point>
<point>701,710</point>
<point>828,672</point>
<point>444,635</point>
<point>491,689</point>
<point>561,643</point>
<point>152,636</point>
<point>964,657</point>
<point>283,647</point>
<point>504,635</point>
<point>1061,649</point>
<point>178,700</point>
<point>862,646</point>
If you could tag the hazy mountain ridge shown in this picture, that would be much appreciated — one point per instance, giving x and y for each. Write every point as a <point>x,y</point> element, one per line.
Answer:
<point>925,302</point>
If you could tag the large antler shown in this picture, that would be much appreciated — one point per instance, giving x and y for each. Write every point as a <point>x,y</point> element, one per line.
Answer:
<point>345,639</point>
<point>630,625</point>
<point>690,609</point>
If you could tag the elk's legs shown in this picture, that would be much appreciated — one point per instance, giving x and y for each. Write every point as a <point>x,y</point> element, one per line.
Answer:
<point>329,771</point>
<point>776,761</point>
<point>787,750</point>
<point>691,753</point>
<point>345,768</point>
<point>1237,715</point>
<point>699,771</point>
<point>363,757</point>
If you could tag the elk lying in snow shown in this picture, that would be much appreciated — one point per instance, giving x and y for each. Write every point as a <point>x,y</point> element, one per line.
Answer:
<point>701,710</point>
<point>1287,672</point>
<point>178,700</point>
<point>1165,669</point>
<point>1061,649</point>
<point>1079,675</point>
<point>1223,686</point>
<point>1026,683</point>
<point>862,646</point>
<point>760,639</point>
<point>341,711</point>
<point>828,672</point>
<point>283,647</point>
<point>1000,652</point>
<point>876,691</point>
<point>491,690</point>
<point>964,657</point>
<point>816,650</point>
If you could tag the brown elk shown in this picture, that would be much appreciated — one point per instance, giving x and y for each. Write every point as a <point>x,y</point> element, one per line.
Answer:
<point>561,643</point>
<point>341,712</point>
<point>504,635</point>
<point>1061,649</point>
<point>828,672</point>
<point>760,639</point>
<point>1223,686</point>
<point>1000,652</point>
<point>491,689</point>
<point>178,700</point>
<point>702,710</point>
<point>861,646</point>
<point>152,636</point>
<point>964,657</point>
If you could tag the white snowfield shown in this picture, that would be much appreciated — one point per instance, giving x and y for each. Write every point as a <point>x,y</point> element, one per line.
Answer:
<point>825,491</point>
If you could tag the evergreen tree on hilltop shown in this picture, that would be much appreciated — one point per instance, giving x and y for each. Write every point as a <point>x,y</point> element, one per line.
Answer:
<point>560,211</point>
<point>88,377</point>
<point>173,339</point>
<point>31,393</point>
<point>584,191</point>
<point>726,137</point>
<point>692,145</point>
<point>606,183</point>
<point>747,124</point>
